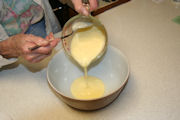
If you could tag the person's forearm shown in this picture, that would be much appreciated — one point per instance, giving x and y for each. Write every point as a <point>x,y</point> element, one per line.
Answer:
<point>6,49</point>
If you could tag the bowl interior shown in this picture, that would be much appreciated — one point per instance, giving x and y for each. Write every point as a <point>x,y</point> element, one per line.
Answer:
<point>112,70</point>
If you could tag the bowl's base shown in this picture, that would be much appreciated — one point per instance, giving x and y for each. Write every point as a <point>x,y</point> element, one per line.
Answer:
<point>93,104</point>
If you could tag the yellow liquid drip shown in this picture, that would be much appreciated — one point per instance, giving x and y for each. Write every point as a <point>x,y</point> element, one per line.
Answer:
<point>87,87</point>
<point>85,46</point>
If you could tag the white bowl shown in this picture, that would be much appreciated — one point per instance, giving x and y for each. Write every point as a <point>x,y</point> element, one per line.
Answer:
<point>113,70</point>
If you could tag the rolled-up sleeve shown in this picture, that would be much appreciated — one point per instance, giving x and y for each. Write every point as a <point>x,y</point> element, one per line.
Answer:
<point>4,61</point>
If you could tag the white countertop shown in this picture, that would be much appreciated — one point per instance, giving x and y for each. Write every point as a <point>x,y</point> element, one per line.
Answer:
<point>143,30</point>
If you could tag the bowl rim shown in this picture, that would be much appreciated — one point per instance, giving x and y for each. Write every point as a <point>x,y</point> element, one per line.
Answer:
<point>87,100</point>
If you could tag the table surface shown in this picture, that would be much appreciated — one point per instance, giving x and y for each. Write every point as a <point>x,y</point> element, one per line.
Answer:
<point>144,31</point>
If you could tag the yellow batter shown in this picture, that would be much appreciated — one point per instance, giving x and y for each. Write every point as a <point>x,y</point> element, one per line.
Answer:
<point>87,88</point>
<point>85,46</point>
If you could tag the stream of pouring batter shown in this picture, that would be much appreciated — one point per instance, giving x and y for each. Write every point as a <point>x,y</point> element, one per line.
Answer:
<point>85,75</point>
<point>85,46</point>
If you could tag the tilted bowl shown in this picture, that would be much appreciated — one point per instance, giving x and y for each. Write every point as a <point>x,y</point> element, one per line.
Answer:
<point>68,28</point>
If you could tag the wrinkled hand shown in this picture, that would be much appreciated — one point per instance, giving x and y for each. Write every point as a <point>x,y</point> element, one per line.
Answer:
<point>80,8</point>
<point>21,43</point>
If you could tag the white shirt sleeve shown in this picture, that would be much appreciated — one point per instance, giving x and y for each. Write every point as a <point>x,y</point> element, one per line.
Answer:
<point>4,61</point>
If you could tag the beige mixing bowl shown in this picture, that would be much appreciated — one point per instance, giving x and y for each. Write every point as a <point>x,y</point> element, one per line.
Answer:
<point>113,70</point>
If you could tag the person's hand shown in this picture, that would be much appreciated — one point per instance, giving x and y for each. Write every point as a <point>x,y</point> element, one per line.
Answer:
<point>19,45</point>
<point>80,8</point>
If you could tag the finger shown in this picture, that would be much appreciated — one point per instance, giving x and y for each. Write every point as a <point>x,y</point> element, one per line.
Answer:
<point>93,4</point>
<point>51,36</point>
<point>47,37</point>
<point>47,49</point>
<point>43,50</point>
<point>38,40</point>
<point>26,48</point>
<point>30,57</point>
<point>84,11</point>
<point>78,5</point>
<point>55,42</point>
<point>40,58</point>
